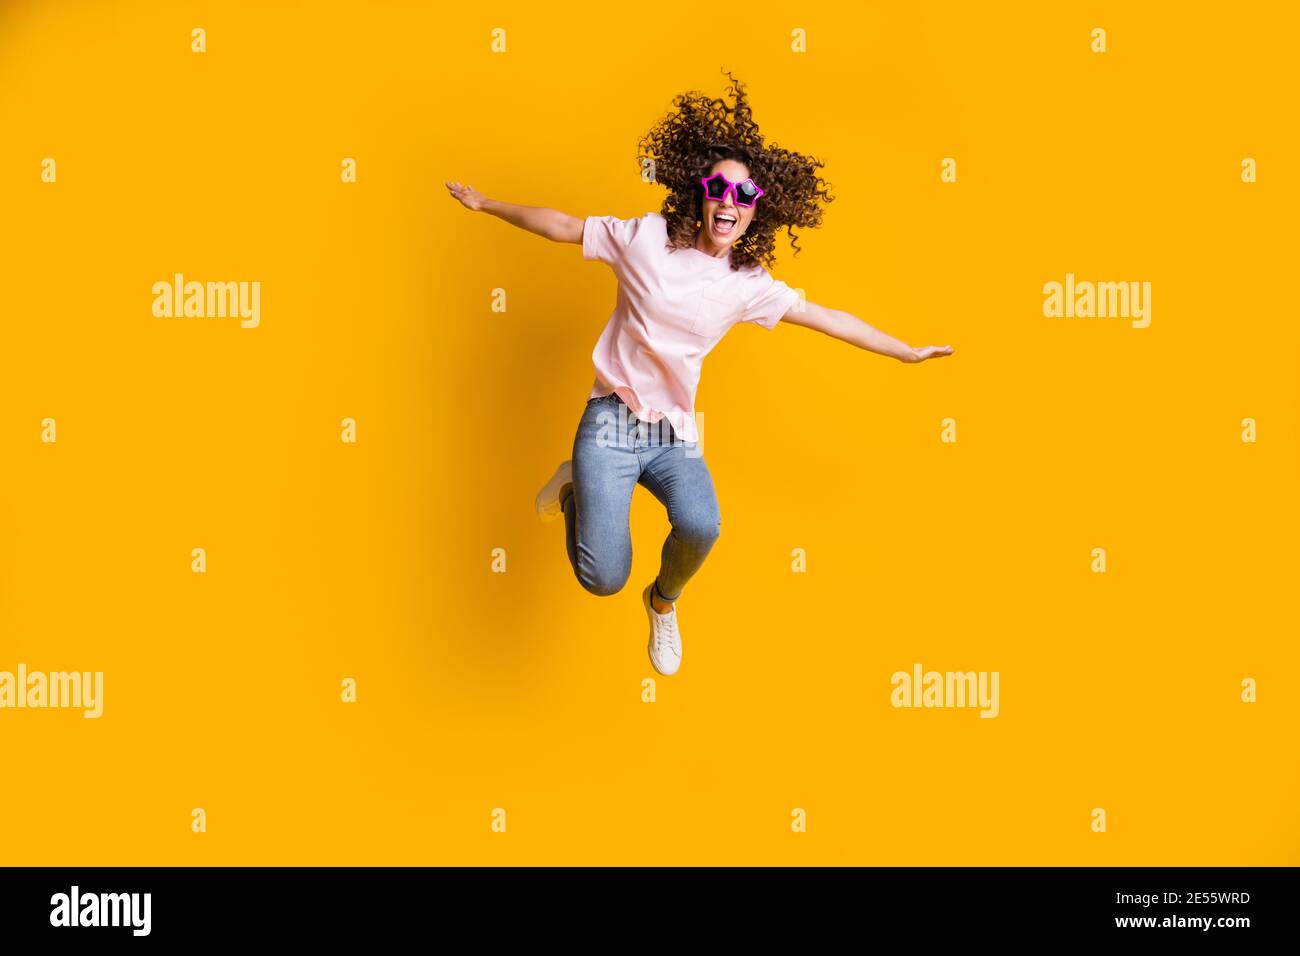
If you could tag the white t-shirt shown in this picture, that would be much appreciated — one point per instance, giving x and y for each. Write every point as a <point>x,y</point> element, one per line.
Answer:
<point>673,307</point>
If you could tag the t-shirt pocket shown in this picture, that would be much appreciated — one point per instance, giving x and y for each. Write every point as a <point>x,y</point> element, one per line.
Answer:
<point>715,313</point>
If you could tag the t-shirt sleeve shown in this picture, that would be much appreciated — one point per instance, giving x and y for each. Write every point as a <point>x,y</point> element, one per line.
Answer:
<point>774,301</point>
<point>607,237</point>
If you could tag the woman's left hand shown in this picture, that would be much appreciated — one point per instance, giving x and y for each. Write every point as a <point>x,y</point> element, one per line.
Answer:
<point>927,352</point>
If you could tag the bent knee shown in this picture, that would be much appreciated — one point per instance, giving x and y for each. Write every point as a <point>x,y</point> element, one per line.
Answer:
<point>604,582</point>
<point>702,529</point>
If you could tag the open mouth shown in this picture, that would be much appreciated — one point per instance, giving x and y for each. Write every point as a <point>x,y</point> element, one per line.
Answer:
<point>724,223</point>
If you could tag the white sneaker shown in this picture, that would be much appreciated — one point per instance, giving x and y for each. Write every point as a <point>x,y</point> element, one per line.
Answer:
<point>548,499</point>
<point>665,642</point>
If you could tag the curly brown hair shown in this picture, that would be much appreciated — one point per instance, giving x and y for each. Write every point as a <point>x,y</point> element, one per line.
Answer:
<point>699,132</point>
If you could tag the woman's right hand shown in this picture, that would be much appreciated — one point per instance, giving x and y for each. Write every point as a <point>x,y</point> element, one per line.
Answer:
<point>469,197</point>
<point>548,223</point>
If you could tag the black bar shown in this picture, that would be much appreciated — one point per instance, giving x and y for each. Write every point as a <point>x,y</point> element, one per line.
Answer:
<point>799,906</point>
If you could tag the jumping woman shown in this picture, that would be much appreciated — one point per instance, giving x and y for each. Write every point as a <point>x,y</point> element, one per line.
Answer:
<point>686,275</point>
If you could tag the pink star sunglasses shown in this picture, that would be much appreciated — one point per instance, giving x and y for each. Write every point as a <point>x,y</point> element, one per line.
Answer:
<point>717,186</point>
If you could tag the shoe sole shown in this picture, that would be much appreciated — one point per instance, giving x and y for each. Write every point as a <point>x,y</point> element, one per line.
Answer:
<point>547,502</point>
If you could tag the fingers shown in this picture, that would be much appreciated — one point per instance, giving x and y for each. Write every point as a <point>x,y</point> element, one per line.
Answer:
<point>463,194</point>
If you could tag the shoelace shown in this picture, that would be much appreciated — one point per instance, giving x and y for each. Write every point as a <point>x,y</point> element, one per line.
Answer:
<point>665,630</point>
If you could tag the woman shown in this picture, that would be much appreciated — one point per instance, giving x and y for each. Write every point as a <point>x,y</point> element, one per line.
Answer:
<point>686,276</point>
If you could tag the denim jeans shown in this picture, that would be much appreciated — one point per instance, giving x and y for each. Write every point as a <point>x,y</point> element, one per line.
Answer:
<point>613,452</point>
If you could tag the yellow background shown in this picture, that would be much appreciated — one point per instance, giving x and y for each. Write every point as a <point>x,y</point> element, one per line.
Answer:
<point>522,691</point>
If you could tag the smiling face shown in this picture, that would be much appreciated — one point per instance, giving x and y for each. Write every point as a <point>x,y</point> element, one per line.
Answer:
<point>724,222</point>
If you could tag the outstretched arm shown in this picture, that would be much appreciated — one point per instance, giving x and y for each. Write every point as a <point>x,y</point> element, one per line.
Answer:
<point>849,328</point>
<point>550,223</point>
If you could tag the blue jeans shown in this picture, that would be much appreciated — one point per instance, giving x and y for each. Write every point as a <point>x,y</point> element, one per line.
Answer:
<point>613,452</point>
